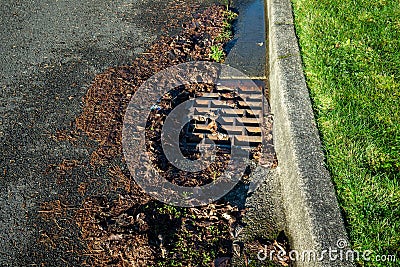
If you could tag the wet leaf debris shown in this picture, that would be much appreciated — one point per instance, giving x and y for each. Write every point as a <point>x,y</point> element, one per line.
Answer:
<point>107,98</point>
<point>122,225</point>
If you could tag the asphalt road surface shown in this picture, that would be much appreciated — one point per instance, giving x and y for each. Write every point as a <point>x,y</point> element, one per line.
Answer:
<point>50,52</point>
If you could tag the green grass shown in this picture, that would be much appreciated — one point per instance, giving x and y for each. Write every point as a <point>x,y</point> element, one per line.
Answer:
<point>351,55</point>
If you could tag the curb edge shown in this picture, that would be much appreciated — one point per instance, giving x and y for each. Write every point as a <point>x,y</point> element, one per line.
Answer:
<point>313,218</point>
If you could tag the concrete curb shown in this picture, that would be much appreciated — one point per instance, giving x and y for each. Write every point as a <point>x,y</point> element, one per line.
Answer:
<point>313,219</point>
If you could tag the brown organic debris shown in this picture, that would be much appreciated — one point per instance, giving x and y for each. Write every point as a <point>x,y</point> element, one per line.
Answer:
<point>123,226</point>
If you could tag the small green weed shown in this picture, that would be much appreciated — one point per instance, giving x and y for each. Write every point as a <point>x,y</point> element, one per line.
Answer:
<point>174,212</point>
<point>226,35</point>
<point>226,3</point>
<point>217,53</point>
<point>230,15</point>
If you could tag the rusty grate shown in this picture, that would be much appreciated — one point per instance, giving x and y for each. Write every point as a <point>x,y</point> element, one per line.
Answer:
<point>236,107</point>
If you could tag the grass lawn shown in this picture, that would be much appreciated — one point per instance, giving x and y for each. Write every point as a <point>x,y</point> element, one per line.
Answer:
<point>351,54</point>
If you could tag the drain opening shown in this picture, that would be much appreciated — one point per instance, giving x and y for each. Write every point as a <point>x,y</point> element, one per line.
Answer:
<point>214,111</point>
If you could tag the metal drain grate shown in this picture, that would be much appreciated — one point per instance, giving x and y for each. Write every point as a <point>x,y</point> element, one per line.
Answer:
<point>234,106</point>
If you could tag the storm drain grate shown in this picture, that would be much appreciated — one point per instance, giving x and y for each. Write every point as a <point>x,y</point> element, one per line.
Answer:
<point>234,107</point>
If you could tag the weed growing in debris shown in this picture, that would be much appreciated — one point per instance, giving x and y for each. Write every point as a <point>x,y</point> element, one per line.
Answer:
<point>224,36</point>
<point>217,53</point>
<point>230,16</point>
<point>227,33</point>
